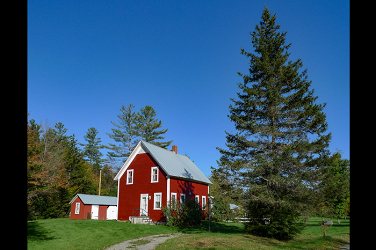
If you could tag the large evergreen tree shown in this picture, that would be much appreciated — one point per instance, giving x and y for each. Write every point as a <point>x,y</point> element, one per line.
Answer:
<point>126,132</point>
<point>60,132</point>
<point>132,128</point>
<point>278,150</point>
<point>149,125</point>
<point>92,147</point>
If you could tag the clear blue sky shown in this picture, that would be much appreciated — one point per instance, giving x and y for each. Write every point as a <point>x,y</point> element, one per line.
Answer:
<point>87,58</point>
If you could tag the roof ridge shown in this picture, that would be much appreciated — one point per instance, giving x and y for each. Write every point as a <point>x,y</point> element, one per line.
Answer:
<point>99,195</point>
<point>177,165</point>
<point>162,148</point>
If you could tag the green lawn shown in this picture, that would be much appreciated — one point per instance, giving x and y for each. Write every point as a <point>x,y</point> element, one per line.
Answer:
<point>85,234</point>
<point>99,234</point>
<point>232,236</point>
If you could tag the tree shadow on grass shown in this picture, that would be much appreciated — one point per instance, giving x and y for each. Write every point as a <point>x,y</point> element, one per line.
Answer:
<point>216,227</point>
<point>341,225</point>
<point>36,232</point>
<point>319,242</point>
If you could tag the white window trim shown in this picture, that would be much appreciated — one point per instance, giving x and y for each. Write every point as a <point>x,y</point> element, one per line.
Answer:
<point>198,198</point>
<point>155,195</point>
<point>176,196</point>
<point>181,201</point>
<point>128,171</point>
<point>77,211</point>
<point>152,174</point>
<point>203,203</point>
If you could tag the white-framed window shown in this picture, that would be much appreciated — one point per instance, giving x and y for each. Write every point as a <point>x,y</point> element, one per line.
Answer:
<point>154,174</point>
<point>173,197</point>
<point>130,176</point>
<point>157,201</point>
<point>197,198</point>
<point>182,199</point>
<point>77,211</point>
<point>203,202</point>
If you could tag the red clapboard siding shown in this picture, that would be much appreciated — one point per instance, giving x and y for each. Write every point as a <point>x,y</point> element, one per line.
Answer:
<point>190,189</point>
<point>129,195</point>
<point>84,210</point>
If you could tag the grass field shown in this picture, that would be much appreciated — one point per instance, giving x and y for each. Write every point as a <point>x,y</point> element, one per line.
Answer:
<point>232,236</point>
<point>99,234</point>
<point>85,234</point>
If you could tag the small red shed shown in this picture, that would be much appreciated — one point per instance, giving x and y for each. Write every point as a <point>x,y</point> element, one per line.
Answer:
<point>87,206</point>
<point>153,176</point>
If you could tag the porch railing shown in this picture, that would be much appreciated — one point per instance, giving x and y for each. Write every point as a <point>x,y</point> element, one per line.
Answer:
<point>139,212</point>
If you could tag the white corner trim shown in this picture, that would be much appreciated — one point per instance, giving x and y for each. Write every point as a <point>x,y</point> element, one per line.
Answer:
<point>117,200</point>
<point>168,190</point>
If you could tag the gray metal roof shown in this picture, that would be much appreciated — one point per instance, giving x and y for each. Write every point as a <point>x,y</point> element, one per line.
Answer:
<point>175,165</point>
<point>96,199</point>
<point>233,206</point>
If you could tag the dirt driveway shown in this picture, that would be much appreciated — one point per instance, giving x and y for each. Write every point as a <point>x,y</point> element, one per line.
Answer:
<point>144,243</point>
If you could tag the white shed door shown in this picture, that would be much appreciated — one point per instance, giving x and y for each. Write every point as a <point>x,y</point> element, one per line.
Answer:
<point>94,212</point>
<point>112,213</point>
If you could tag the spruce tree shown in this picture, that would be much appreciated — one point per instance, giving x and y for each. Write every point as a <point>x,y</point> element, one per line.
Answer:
<point>60,132</point>
<point>280,144</point>
<point>334,189</point>
<point>91,148</point>
<point>148,126</point>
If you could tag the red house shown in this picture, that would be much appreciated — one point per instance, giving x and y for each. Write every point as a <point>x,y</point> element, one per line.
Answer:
<point>152,176</point>
<point>87,206</point>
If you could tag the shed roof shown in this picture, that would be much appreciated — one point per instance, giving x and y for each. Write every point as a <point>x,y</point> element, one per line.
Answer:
<point>233,206</point>
<point>96,199</point>
<point>174,165</point>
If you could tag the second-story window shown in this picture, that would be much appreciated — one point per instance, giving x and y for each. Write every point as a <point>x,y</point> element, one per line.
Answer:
<point>154,174</point>
<point>130,176</point>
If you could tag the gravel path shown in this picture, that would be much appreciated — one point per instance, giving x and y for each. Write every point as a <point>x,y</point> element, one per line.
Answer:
<point>144,243</point>
<point>345,247</point>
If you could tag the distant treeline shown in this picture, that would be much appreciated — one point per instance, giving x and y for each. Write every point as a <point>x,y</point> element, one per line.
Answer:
<point>58,169</point>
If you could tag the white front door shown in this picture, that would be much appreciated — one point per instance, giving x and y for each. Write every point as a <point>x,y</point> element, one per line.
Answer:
<point>144,204</point>
<point>94,212</point>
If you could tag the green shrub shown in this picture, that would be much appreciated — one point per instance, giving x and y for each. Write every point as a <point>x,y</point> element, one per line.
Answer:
<point>278,222</point>
<point>221,210</point>
<point>188,214</point>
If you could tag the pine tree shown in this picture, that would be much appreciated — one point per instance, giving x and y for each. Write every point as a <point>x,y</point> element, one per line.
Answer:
<point>81,176</point>
<point>148,126</point>
<point>335,187</point>
<point>126,132</point>
<point>278,150</point>
<point>60,132</point>
<point>91,149</point>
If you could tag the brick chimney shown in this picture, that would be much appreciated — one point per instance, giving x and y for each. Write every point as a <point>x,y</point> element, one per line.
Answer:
<point>175,149</point>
